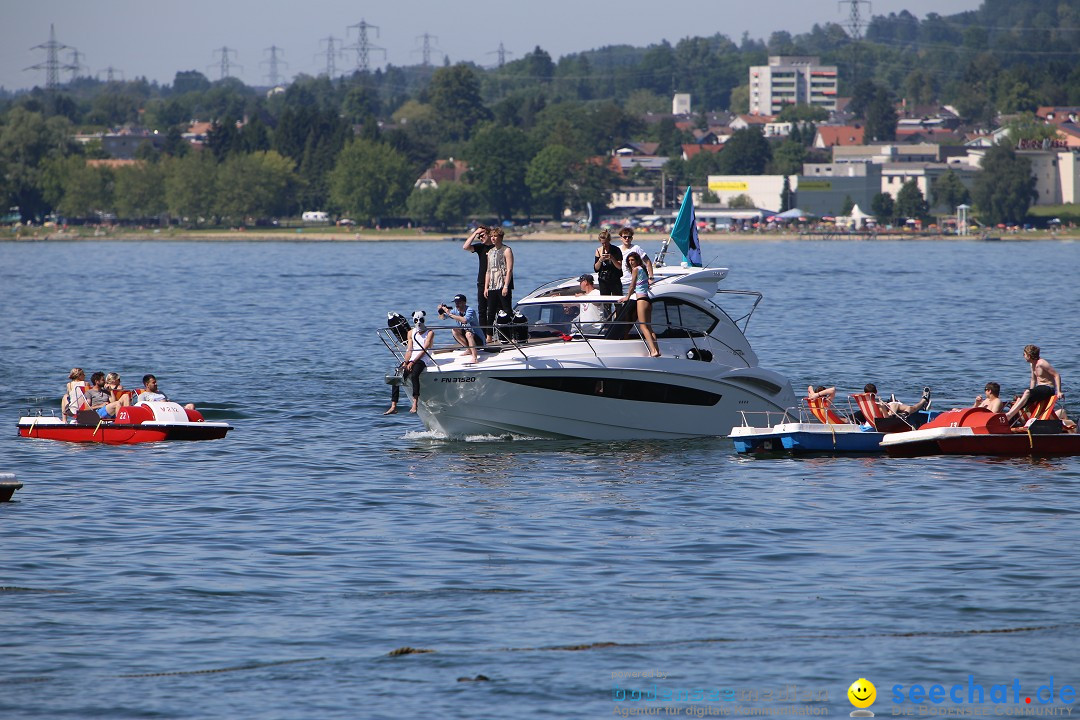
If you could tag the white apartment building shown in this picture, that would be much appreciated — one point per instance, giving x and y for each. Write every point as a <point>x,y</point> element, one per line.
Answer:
<point>790,80</point>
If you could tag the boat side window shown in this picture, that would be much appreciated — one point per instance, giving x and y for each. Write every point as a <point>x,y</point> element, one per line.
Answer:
<point>547,320</point>
<point>672,318</point>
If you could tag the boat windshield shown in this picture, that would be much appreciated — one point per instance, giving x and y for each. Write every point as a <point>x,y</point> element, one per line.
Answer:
<point>573,315</point>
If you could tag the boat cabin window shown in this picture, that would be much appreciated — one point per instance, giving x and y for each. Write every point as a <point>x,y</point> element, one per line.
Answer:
<point>556,319</point>
<point>673,318</point>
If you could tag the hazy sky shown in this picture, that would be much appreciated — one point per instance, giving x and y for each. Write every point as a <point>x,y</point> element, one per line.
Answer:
<point>156,39</point>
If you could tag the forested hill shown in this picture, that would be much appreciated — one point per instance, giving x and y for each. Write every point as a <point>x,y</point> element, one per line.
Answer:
<point>1008,55</point>
<point>529,130</point>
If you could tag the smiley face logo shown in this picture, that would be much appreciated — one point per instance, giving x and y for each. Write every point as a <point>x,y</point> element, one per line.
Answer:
<point>862,693</point>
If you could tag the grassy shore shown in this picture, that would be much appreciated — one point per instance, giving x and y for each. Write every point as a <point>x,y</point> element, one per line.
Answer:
<point>332,234</point>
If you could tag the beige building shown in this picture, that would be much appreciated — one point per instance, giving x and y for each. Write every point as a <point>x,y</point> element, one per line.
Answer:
<point>792,80</point>
<point>763,190</point>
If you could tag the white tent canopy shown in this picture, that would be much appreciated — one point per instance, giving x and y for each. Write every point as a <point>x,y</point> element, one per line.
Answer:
<point>793,214</point>
<point>856,219</point>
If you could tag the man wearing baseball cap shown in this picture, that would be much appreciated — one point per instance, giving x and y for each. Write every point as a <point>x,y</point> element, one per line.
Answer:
<point>468,334</point>
<point>591,316</point>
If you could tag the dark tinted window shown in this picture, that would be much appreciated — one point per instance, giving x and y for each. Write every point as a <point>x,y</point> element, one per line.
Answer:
<point>620,389</point>
<point>675,318</point>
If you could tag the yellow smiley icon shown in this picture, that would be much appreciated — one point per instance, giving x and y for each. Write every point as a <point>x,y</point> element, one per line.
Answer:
<point>862,693</point>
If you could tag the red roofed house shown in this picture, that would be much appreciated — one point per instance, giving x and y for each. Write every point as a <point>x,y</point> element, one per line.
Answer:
<point>449,170</point>
<point>832,135</point>
<point>692,149</point>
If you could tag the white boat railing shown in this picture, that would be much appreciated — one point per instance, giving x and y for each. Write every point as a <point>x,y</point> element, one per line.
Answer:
<point>397,349</point>
<point>771,417</point>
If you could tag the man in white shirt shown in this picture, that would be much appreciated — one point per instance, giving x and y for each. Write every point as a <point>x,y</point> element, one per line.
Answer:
<point>591,315</point>
<point>151,393</point>
<point>628,246</point>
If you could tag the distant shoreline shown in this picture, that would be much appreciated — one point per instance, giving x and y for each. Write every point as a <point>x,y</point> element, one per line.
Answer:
<point>307,235</point>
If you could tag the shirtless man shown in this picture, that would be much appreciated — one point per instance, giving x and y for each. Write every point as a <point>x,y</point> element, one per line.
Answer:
<point>991,402</point>
<point>1045,382</point>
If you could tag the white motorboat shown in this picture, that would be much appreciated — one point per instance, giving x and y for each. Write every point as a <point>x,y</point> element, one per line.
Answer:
<point>569,379</point>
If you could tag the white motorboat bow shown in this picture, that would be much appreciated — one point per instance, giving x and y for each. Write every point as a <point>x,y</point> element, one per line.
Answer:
<point>570,379</point>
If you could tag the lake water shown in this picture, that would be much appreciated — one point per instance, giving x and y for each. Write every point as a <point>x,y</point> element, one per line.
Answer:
<point>271,574</point>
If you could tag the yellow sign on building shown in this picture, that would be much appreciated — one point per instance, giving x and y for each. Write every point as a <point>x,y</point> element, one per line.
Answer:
<point>729,186</point>
<point>815,185</point>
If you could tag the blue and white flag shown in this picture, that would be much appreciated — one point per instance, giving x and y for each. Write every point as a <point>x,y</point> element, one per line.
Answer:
<point>684,232</point>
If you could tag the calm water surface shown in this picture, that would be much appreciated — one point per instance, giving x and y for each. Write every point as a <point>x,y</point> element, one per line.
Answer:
<point>270,574</point>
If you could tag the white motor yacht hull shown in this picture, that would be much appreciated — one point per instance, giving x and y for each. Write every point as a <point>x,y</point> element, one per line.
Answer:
<point>469,403</point>
<point>557,375</point>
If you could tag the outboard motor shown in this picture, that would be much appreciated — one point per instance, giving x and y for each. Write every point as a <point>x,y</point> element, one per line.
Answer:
<point>699,354</point>
<point>399,326</point>
<point>519,327</point>
<point>503,331</point>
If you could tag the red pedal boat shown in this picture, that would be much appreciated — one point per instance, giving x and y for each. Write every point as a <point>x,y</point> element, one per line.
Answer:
<point>977,431</point>
<point>144,422</point>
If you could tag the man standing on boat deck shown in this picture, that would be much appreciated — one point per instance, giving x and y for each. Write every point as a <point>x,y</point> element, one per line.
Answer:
<point>607,262</point>
<point>479,242</point>
<point>499,287</point>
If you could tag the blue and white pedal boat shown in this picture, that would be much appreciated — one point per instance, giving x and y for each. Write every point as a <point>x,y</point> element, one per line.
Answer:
<point>802,436</point>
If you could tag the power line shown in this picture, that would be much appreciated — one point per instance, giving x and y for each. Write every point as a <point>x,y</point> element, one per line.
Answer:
<point>855,25</point>
<point>501,53</point>
<point>331,54</point>
<point>76,63</point>
<point>364,47</point>
<point>427,47</point>
<point>51,66</point>
<point>225,65</point>
<point>272,75</point>
<point>110,73</point>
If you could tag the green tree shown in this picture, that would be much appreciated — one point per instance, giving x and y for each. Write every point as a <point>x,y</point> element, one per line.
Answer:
<point>456,101</point>
<point>789,158</point>
<point>701,166</point>
<point>190,187</point>
<point>88,190</point>
<point>422,206</point>
<point>258,185</point>
<point>1026,126</point>
<point>548,178</point>
<point>910,202</point>
<point>457,201</point>
<point>741,201</point>
<point>747,152</point>
<point>498,158</point>
<point>881,118</point>
<point>28,141</point>
<point>1005,188</point>
<point>884,208</point>
<point>223,139</point>
<point>848,206</point>
<point>140,190</point>
<point>785,195</point>
<point>801,113</point>
<point>112,108</point>
<point>370,181</point>
<point>949,191</point>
